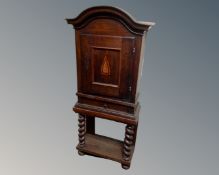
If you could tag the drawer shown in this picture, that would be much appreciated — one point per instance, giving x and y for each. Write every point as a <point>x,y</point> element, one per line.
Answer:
<point>106,105</point>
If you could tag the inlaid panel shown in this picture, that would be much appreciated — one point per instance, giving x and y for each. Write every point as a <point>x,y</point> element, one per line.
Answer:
<point>105,66</point>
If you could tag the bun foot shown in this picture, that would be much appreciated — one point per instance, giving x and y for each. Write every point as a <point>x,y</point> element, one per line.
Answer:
<point>126,167</point>
<point>80,153</point>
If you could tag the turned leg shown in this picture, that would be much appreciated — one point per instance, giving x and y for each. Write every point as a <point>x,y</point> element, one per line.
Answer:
<point>135,134</point>
<point>80,153</point>
<point>126,167</point>
<point>128,142</point>
<point>81,130</point>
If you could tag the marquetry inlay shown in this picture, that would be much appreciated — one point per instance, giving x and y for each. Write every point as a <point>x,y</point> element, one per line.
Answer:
<point>105,67</point>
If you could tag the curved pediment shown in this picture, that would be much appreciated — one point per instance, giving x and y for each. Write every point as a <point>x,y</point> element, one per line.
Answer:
<point>109,12</point>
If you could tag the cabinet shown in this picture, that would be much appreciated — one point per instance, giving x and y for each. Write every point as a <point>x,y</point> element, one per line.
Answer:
<point>109,47</point>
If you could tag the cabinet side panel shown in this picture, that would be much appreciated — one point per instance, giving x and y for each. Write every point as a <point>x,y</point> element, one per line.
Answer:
<point>136,59</point>
<point>78,59</point>
<point>141,63</point>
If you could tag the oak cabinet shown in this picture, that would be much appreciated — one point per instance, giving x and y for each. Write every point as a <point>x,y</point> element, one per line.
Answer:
<point>109,54</point>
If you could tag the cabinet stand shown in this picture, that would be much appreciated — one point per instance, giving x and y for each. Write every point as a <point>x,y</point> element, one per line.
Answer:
<point>108,148</point>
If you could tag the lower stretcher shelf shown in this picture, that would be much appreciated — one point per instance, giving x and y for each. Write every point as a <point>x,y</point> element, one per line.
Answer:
<point>104,147</point>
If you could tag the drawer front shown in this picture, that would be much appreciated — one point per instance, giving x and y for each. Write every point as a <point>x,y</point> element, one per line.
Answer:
<point>106,64</point>
<point>106,105</point>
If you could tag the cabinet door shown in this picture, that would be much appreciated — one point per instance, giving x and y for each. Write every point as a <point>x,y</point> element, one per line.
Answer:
<point>106,64</point>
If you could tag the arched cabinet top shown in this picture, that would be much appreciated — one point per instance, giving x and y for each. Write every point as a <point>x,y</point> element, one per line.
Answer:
<point>109,12</point>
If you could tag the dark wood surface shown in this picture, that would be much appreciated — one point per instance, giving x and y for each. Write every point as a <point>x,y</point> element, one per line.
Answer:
<point>104,147</point>
<point>109,58</point>
<point>118,116</point>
